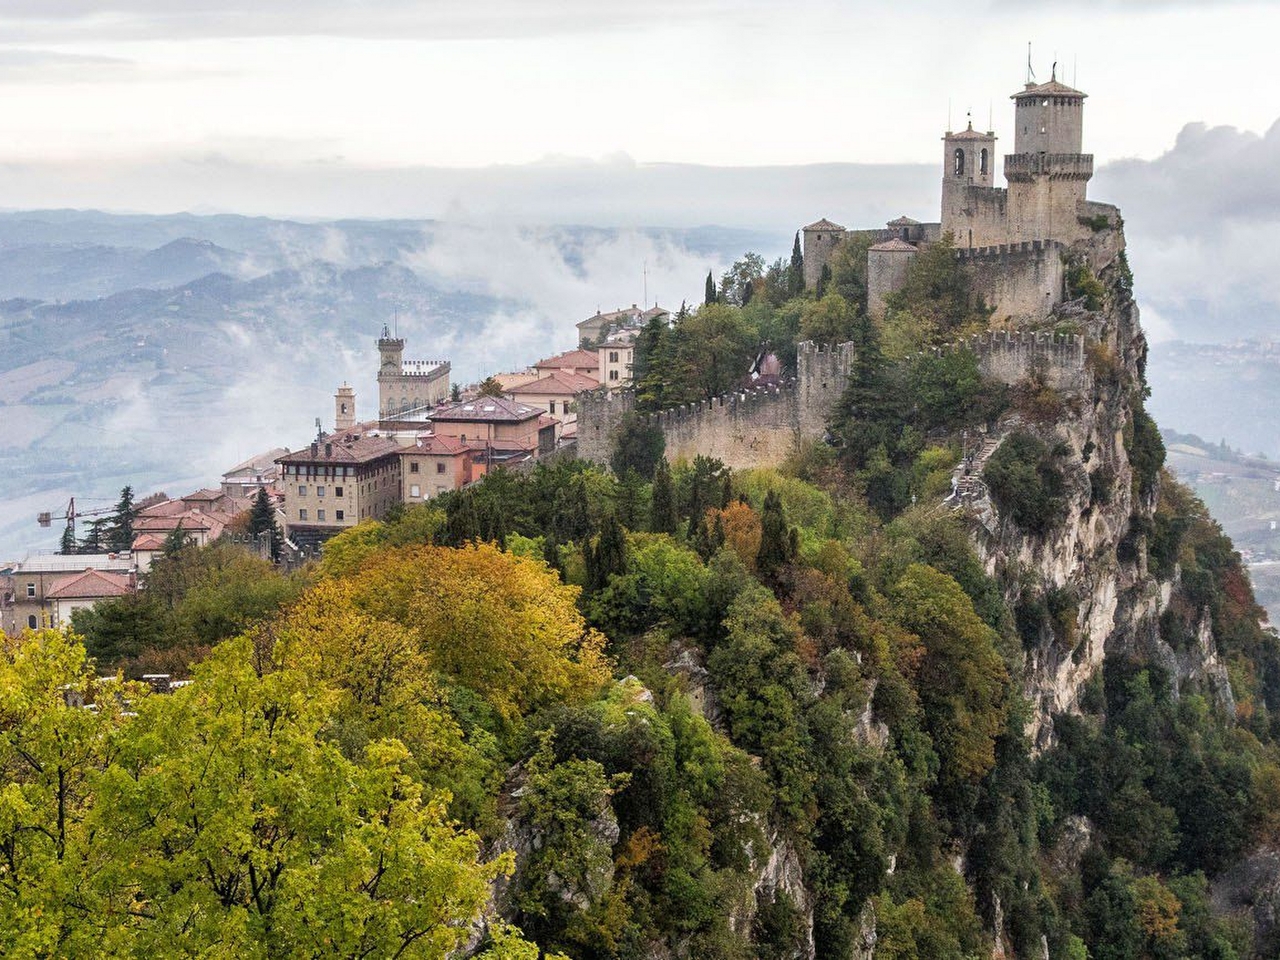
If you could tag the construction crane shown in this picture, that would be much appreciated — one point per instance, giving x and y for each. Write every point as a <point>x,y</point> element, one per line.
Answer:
<point>46,518</point>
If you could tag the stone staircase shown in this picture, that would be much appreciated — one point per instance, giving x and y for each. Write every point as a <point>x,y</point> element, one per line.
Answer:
<point>966,479</point>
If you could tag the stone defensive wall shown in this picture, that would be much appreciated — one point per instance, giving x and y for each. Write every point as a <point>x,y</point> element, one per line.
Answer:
<point>746,428</point>
<point>1024,279</point>
<point>1012,356</point>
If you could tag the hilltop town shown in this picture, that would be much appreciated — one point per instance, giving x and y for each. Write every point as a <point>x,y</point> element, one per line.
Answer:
<point>1023,249</point>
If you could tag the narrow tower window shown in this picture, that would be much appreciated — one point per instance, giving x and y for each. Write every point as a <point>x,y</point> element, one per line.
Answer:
<point>959,162</point>
<point>982,162</point>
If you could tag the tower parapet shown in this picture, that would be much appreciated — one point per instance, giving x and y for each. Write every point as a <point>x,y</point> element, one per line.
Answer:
<point>407,385</point>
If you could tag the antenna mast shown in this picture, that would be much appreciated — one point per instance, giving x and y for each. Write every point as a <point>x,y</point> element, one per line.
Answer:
<point>1031,74</point>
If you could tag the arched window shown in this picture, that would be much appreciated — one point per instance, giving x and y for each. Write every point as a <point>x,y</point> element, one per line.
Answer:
<point>959,162</point>
<point>982,162</point>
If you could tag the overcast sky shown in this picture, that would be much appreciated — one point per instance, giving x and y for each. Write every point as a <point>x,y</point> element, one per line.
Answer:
<point>95,91</point>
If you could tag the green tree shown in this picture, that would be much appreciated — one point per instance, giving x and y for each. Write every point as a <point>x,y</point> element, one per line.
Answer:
<point>775,540</point>
<point>638,447</point>
<point>262,522</point>
<point>710,295</point>
<point>738,284</point>
<point>829,320</point>
<point>662,507</point>
<point>119,530</point>
<point>491,387</point>
<point>67,545</point>
<point>795,273</point>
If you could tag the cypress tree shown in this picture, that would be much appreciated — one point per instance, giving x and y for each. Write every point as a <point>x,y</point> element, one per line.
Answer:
<point>662,509</point>
<point>795,274</point>
<point>68,544</point>
<point>262,522</point>
<point>120,524</point>
<point>824,281</point>
<point>711,289</point>
<point>775,539</point>
<point>608,558</point>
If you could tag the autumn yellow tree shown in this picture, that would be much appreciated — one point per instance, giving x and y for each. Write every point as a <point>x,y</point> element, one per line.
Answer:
<point>502,625</point>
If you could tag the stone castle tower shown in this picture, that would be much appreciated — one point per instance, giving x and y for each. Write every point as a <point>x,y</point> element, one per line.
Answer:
<point>407,386</point>
<point>1012,239</point>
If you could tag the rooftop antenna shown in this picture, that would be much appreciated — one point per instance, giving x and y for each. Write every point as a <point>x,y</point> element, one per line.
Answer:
<point>1054,75</point>
<point>1031,74</point>
<point>319,429</point>
<point>395,319</point>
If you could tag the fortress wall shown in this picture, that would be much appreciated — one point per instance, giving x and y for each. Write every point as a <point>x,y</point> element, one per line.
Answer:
<point>818,247</point>
<point>752,428</point>
<point>886,273</point>
<point>402,391</point>
<point>1012,356</point>
<point>1045,206</point>
<point>599,414</point>
<point>747,428</point>
<point>1017,279</point>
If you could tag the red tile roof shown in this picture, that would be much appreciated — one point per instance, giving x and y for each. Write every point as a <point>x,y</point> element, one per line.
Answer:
<point>344,449</point>
<point>148,541</point>
<point>429,443</point>
<point>571,359</point>
<point>90,585</point>
<point>557,384</point>
<point>486,410</point>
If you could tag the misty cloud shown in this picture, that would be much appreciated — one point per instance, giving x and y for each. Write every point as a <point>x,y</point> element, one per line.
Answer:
<point>1202,220</point>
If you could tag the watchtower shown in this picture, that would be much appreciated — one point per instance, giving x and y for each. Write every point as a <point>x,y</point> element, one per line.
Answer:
<point>390,353</point>
<point>820,240</point>
<point>968,171</point>
<point>1048,175</point>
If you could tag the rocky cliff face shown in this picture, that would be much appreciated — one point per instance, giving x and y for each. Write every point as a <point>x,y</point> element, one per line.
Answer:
<point>1091,567</point>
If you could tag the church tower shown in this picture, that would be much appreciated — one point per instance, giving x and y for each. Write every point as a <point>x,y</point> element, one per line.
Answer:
<point>968,176</point>
<point>1047,173</point>
<point>344,408</point>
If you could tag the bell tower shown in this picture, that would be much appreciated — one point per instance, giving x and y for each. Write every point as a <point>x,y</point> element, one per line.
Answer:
<point>344,408</point>
<point>968,169</point>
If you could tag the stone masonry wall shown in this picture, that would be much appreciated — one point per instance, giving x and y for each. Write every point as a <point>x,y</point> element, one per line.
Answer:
<point>1012,356</point>
<point>1017,279</point>
<point>744,429</point>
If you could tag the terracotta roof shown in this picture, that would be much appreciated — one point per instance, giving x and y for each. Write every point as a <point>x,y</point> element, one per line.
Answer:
<point>903,222</point>
<point>823,224</point>
<point>557,384</point>
<point>188,520</point>
<point>345,449</point>
<point>430,443</point>
<point>894,246</point>
<point>1051,89</point>
<point>486,410</point>
<point>89,585</point>
<point>571,358</point>
<point>148,541</point>
<point>205,494</point>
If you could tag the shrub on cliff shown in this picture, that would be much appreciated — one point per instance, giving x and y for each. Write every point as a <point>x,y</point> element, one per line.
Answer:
<point>1026,483</point>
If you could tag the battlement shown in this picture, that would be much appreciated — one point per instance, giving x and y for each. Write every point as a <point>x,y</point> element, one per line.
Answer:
<point>1011,356</point>
<point>1024,167</point>
<point>1005,250</point>
<point>743,398</point>
<point>421,369</point>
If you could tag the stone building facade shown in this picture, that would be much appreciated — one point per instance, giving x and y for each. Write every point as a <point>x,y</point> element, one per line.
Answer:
<point>405,386</point>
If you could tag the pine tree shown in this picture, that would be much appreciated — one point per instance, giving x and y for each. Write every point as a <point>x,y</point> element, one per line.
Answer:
<point>551,554</point>
<point>262,522</point>
<point>795,274</point>
<point>68,544</point>
<point>119,525</point>
<point>609,558</point>
<point>93,541</point>
<point>662,509</point>
<point>711,289</point>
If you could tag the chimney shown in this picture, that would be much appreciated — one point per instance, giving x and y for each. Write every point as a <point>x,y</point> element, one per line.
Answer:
<point>315,449</point>
<point>328,449</point>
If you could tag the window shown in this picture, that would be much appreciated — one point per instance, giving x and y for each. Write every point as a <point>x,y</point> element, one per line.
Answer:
<point>31,589</point>
<point>302,513</point>
<point>337,491</point>
<point>415,490</point>
<point>319,491</point>
<point>320,515</point>
<point>413,467</point>
<point>553,407</point>
<point>613,356</point>
<point>302,489</point>
<point>439,468</point>
<point>982,162</point>
<point>959,162</point>
<point>613,374</point>
<point>339,514</point>
<point>32,622</point>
